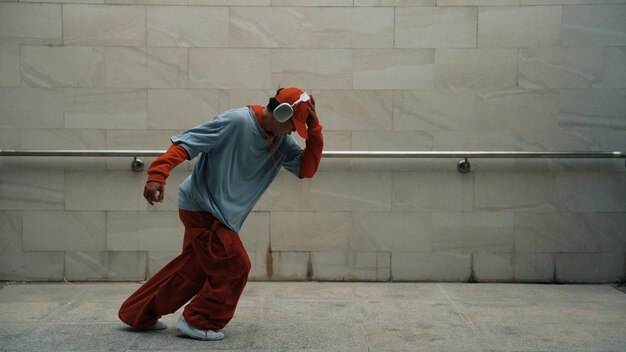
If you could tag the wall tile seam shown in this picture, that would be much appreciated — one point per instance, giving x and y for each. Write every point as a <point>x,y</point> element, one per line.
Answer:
<point>344,48</point>
<point>130,3</point>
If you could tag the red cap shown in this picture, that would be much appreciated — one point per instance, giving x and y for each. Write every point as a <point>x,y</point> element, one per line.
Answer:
<point>300,112</point>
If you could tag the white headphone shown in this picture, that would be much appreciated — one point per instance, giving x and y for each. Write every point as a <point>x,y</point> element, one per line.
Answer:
<point>284,111</point>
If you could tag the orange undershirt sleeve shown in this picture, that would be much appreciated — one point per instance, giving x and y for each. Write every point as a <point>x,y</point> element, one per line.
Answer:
<point>312,154</point>
<point>160,168</point>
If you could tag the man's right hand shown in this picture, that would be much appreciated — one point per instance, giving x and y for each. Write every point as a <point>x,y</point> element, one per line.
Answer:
<point>154,192</point>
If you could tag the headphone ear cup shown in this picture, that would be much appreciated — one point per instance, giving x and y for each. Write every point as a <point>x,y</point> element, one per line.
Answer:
<point>283,112</point>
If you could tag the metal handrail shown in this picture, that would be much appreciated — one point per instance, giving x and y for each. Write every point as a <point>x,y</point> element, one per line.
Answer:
<point>463,166</point>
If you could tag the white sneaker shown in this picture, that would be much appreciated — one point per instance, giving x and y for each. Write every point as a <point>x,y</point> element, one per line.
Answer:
<point>206,335</point>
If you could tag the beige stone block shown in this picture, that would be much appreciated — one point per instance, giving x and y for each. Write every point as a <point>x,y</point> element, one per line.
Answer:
<point>354,110</point>
<point>10,59</point>
<point>562,2</point>
<point>435,27</point>
<point>31,190</point>
<point>229,68</point>
<point>54,163</point>
<point>614,69</point>
<point>589,267</point>
<point>311,27</point>
<point>433,110</point>
<point>258,271</point>
<point>311,68</point>
<point>608,230</point>
<point>64,230</point>
<point>144,231</point>
<point>18,111</point>
<point>56,138</point>
<point>348,266</point>
<point>141,140</point>
<point>594,140</point>
<point>500,140</point>
<point>559,232</point>
<point>391,232</point>
<point>476,68</point>
<point>31,266</point>
<point>473,232</point>
<point>560,67</point>
<point>31,23</point>
<point>395,3</point>
<point>157,260</point>
<point>531,267</point>
<point>430,267</point>
<point>243,97</point>
<point>592,191</point>
<point>492,267</point>
<point>106,266</point>
<point>529,191</point>
<point>517,110</point>
<point>428,191</point>
<point>290,266</point>
<point>348,191</point>
<point>11,231</point>
<point>62,66</point>
<point>477,2</point>
<point>10,138</point>
<point>184,108</point>
<point>144,2</point>
<point>394,68</point>
<point>600,25</point>
<point>311,3</point>
<point>286,193</point>
<point>106,108</point>
<point>108,190</point>
<point>384,266</point>
<point>514,27</point>
<point>104,25</point>
<point>231,2</point>
<point>140,67</point>
<point>188,26</point>
<point>592,109</point>
<point>391,141</point>
<point>255,232</point>
<point>69,1</point>
<point>310,231</point>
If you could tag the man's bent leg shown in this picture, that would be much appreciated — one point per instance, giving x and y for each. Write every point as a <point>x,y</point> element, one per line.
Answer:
<point>226,266</point>
<point>164,292</point>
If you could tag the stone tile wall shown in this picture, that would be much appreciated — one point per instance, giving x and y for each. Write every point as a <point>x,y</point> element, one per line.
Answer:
<point>538,75</point>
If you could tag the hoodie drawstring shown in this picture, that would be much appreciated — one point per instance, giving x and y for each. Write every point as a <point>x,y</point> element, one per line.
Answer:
<point>272,145</point>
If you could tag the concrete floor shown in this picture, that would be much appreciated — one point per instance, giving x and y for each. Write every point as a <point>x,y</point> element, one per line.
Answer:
<point>313,316</point>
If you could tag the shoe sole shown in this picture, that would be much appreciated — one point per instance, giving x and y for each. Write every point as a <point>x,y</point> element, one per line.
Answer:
<point>194,337</point>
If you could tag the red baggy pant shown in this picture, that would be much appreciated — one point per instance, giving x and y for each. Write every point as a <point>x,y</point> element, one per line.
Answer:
<point>212,269</point>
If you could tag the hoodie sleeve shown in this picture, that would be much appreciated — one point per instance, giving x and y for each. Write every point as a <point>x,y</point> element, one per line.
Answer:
<point>160,168</point>
<point>312,153</point>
